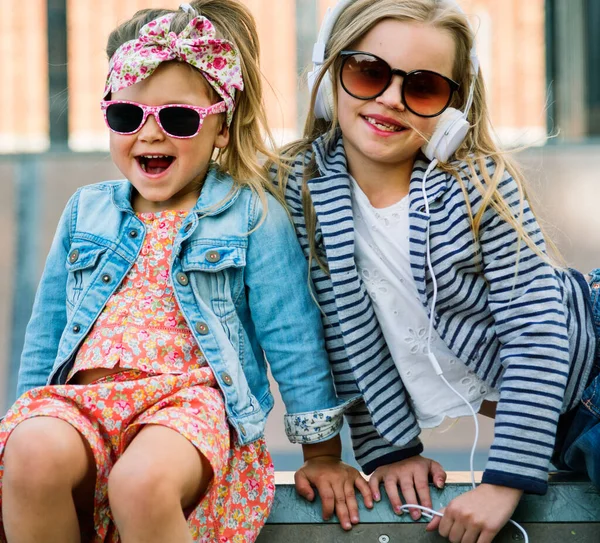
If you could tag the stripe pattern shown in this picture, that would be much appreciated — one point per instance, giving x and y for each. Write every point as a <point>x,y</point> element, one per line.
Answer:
<point>519,324</point>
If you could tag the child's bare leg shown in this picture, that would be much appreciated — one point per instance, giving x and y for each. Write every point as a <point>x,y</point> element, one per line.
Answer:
<point>160,474</point>
<point>46,463</point>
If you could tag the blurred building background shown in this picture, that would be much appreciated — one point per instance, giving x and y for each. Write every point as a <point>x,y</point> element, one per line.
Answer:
<point>540,60</point>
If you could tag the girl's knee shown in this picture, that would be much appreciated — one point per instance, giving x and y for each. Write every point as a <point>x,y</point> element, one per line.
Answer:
<point>138,493</point>
<point>44,453</point>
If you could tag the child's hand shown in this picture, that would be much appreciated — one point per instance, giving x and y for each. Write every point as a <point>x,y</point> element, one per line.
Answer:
<point>410,474</point>
<point>335,482</point>
<point>477,515</point>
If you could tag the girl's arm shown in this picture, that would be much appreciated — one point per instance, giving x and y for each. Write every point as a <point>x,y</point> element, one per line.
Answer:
<point>525,299</point>
<point>49,314</point>
<point>289,330</point>
<point>288,327</point>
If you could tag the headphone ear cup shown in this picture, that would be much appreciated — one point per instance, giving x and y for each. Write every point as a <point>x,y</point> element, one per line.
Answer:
<point>324,99</point>
<point>449,133</point>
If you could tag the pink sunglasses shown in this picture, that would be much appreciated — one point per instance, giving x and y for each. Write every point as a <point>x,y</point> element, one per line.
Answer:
<point>175,120</point>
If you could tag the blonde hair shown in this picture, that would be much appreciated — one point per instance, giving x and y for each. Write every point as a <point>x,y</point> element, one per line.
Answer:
<point>358,18</point>
<point>250,136</point>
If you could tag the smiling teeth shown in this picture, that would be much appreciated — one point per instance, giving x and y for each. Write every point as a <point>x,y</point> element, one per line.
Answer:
<point>383,126</point>
<point>146,157</point>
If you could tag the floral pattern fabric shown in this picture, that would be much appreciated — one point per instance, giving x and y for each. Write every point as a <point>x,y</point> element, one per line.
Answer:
<point>318,425</point>
<point>141,326</point>
<point>110,412</point>
<point>197,44</point>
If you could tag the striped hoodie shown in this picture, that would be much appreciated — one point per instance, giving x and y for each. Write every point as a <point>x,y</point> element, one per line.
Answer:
<point>521,325</point>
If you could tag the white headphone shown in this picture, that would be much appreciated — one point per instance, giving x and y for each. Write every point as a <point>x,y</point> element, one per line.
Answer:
<point>452,126</point>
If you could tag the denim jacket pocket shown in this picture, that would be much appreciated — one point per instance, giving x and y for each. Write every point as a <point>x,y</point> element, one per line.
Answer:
<point>216,274</point>
<point>81,262</point>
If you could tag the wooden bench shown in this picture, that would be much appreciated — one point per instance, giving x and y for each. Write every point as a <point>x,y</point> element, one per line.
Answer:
<point>569,512</point>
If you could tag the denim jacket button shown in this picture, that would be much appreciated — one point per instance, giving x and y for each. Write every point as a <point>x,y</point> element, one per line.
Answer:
<point>242,430</point>
<point>76,328</point>
<point>202,328</point>
<point>182,279</point>
<point>74,256</point>
<point>133,234</point>
<point>106,278</point>
<point>213,256</point>
<point>227,379</point>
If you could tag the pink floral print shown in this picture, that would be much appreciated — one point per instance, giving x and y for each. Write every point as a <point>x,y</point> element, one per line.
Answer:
<point>110,412</point>
<point>197,45</point>
<point>141,326</point>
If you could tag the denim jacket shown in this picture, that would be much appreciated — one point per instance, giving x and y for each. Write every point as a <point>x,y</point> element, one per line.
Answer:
<point>241,288</point>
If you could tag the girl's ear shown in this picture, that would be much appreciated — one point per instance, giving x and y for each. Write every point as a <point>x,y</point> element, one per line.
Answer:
<point>222,137</point>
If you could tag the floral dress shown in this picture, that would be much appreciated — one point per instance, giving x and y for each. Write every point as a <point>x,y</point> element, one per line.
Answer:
<point>153,372</point>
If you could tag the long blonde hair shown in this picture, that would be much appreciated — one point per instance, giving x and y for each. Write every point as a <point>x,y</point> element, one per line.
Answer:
<point>250,136</point>
<point>358,18</point>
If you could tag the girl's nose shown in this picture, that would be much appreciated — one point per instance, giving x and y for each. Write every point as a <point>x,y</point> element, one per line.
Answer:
<point>150,131</point>
<point>392,96</point>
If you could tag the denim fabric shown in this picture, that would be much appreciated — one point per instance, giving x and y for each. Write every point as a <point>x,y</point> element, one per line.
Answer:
<point>578,438</point>
<point>241,284</point>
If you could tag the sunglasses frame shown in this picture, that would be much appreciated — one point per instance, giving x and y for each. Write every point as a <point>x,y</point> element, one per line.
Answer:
<point>203,112</point>
<point>454,86</point>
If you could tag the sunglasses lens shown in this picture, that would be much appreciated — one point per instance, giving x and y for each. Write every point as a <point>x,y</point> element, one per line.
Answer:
<point>364,76</point>
<point>180,121</point>
<point>124,118</point>
<point>426,93</point>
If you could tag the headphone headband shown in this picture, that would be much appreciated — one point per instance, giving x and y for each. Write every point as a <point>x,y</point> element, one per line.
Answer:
<point>324,101</point>
<point>331,16</point>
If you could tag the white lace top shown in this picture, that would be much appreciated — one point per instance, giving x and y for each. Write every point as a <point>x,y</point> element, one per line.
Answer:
<point>382,259</point>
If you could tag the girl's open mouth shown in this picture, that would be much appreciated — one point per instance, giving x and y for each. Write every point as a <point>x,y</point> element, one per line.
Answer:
<point>155,164</point>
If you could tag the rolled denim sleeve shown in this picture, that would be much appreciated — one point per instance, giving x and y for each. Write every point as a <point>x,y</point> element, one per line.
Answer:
<point>289,327</point>
<point>49,313</point>
<point>316,426</point>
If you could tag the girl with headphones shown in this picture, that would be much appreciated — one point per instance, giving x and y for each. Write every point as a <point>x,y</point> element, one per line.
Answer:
<point>431,271</point>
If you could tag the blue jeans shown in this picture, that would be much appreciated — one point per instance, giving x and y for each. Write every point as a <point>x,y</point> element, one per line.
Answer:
<point>578,437</point>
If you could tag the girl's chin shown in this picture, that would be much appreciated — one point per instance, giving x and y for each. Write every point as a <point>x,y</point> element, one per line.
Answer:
<point>389,155</point>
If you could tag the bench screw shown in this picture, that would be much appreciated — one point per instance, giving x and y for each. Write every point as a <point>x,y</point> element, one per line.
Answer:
<point>384,539</point>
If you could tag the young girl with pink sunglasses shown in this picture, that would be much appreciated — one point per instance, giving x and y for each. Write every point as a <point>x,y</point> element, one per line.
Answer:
<point>143,382</point>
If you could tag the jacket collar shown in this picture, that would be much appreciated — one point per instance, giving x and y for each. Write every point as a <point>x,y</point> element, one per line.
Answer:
<point>218,193</point>
<point>330,158</point>
<point>330,155</point>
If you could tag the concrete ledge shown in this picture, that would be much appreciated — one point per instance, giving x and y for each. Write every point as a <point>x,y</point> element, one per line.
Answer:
<point>415,533</point>
<point>570,511</point>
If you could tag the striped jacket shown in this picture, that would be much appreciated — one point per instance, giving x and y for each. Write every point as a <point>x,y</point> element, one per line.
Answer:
<point>524,330</point>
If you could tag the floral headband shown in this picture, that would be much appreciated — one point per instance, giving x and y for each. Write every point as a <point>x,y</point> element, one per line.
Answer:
<point>197,45</point>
